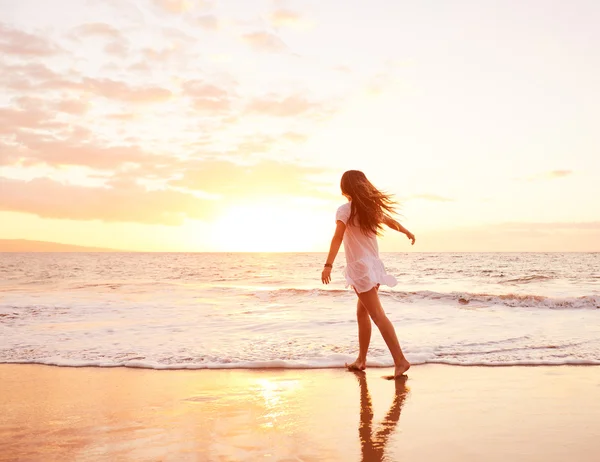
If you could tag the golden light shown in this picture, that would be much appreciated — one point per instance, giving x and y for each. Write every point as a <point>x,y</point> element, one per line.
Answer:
<point>276,394</point>
<point>266,227</point>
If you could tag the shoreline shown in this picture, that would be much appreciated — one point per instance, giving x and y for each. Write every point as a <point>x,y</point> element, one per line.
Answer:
<point>303,368</point>
<point>466,414</point>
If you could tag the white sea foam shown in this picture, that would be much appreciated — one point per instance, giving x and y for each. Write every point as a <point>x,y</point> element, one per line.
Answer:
<point>306,364</point>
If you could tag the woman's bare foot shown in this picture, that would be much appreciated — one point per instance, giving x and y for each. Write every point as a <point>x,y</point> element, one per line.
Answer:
<point>399,371</point>
<point>358,365</point>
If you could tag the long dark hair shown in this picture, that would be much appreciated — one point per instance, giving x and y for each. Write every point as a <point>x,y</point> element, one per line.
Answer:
<point>370,205</point>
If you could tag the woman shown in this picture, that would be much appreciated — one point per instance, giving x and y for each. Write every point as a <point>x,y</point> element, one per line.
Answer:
<point>358,223</point>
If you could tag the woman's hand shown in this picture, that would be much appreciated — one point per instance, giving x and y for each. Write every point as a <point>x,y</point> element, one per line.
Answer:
<point>411,237</point>
<point>326,275</point>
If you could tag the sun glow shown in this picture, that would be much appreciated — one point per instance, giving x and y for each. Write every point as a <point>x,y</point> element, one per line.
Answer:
<point>266,228</point>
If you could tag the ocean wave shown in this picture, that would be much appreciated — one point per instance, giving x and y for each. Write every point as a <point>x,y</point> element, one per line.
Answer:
<point>512,300</point>
<point>527,279</point>
<point>307,364</point>
<point>508,300</point>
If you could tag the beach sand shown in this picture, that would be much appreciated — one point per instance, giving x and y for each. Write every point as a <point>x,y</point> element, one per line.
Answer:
<point>441,413</point>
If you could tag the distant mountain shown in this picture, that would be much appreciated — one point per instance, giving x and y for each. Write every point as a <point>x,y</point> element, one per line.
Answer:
<point>23,245</point>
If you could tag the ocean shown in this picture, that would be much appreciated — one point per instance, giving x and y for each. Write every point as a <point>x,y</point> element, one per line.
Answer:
<point>237,310</point>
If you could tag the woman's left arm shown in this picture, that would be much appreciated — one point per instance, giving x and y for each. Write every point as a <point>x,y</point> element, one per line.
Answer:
<point>334,248</point>
<point>393,224</point>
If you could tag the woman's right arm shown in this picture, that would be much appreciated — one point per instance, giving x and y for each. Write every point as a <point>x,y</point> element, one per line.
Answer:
<point>334,248</point>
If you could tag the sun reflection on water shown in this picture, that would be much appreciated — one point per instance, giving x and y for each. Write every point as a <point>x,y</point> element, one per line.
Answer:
<point>275,396</point>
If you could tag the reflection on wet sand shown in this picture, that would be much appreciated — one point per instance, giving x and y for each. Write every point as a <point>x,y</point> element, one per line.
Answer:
<point>373,444</point>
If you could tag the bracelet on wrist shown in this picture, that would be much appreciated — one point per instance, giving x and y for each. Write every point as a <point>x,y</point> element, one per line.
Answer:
<point>328,265</point>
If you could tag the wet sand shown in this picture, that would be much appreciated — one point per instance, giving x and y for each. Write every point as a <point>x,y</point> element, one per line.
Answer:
<point>441,413</point>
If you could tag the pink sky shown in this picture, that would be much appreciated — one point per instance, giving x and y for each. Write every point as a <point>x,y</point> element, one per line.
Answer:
<point>163,124</point>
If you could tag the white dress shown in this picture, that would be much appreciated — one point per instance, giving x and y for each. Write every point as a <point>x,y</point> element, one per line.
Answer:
<point>364,270</point>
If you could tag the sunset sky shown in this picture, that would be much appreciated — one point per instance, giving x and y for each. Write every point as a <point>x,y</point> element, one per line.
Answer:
<point>191,125</point>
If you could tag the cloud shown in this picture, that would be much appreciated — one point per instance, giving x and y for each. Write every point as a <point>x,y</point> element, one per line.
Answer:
<point>121,91</point>
<point>80,149</point>
<point>34,137</point>
<point>38,78</point>
<point>173,6</point>
<point>59,152</point>
<point>283,17</point>
<point>63,113</point>
<point>124,200</point>
<point>255,144</point>
<point>35,71</point>
<point>288,106</point>
<point>72,106</point>
<point>19,43</point>
<point>97,29</point>
<point>208,22</point>
<point>118,48</point>
<point>559,173</point>
<point>431,197</point>
<point>265,41</point>
<point>33,78</point>
<point>141,67</point>
<point>202,89</point>
<point>127,203</point>
<point>12,119</point>
<point>33,132</point>
<point>182,6</point>
<point>206,96</point>
<point>342,68</point>
<point>295,137</point>
<point>211,104</point>
<point>260,179</point>
<point>553,174</point>
<point>126,11</point>
<point>156,56</point>
<point>121,116</point>
<point>174,35</point>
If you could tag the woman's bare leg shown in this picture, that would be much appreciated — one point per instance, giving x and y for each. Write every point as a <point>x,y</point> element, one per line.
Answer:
<point>371,302</point>
<point>364,337</point>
